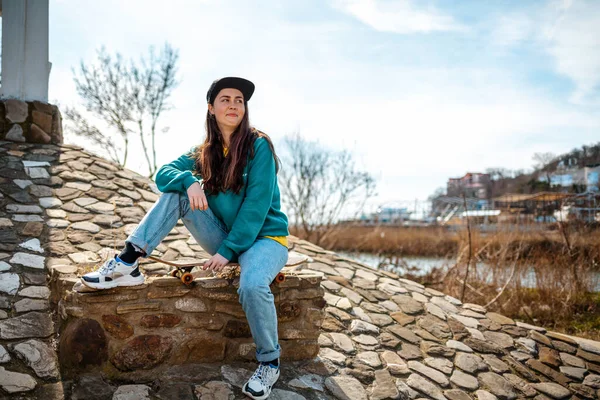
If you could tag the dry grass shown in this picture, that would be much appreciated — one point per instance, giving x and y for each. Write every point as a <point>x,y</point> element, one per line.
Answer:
<point>547,278</point>
<point>555,289</point>
<point>442,242</point>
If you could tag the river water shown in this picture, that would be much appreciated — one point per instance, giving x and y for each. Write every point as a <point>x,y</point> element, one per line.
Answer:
<point>418,266</point>
<point>414,265</point>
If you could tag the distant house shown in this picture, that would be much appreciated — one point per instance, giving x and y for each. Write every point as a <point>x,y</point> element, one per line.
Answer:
<point>565,177</point>
<point>390,215</point>
<point>384,215</point>
<point>592,178</point>
<point>472,185</point>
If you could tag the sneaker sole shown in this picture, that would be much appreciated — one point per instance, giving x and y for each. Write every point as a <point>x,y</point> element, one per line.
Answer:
<point>264,396</point>
<point>124,281</point>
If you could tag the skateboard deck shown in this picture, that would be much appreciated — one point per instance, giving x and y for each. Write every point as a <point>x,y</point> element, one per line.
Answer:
<point>183,270</point>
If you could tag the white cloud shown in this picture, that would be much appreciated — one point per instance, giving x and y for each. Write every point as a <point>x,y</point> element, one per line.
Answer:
<point>512,29</point>
<point>569,32</point>
<point>398,16</point>
<point>431,124</point>
<point>573,38</point>
<point>412,127</point>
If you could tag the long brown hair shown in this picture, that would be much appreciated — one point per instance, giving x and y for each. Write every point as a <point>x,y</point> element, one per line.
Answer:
<point>220,173</point>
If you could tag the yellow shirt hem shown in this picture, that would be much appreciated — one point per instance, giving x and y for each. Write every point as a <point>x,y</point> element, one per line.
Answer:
<point>282,240</point>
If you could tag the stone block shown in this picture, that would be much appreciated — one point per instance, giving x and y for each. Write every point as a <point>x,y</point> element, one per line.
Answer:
<point>134,307</point>
<point>202,349</point>
<point>290,281</point>
<point>16,110</point>
<point>83,343</point>
<point>309,280</point>
<point>167,292</point>
<point>549,372</point>
<point>33,229</point>
<point>25,305</point>
<point>295,294</point>
<point>297,333</point>
<point>117,326</point>
<point>142,352</point>
<point>15,134</point>
<point>245,351</point>
<point>237,329</point>
<point>160,320</point>
<point>14,382</point>
<point>217,295</point>
<point>234,309</point>
<point>43,120</point>
<point>57,130</point>
<point>288,311</point>
<point>212,283</point>
<point>37,135</point>
<point>31,325</point>
<point>94,298</point>
<point>293,350</point>
<point>39,356</point>
<point>210,322</point>
<point>190,304</point>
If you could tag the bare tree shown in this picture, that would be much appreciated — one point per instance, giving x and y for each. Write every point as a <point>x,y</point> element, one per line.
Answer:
<point>319,185</point>
<point>439,192</point>
<point>498,173</point>
<point>128,97</point>
<point>541,161</point>
<point>83,128</point>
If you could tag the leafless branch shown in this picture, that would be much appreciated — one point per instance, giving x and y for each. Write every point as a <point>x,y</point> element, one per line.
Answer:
<point>129,97</point>
<point>319,186</point>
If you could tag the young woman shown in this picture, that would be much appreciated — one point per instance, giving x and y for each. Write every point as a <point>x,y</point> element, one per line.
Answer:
<point>226,193</point>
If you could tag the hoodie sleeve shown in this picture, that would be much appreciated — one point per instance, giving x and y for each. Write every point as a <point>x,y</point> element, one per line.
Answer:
<point>177,176</point>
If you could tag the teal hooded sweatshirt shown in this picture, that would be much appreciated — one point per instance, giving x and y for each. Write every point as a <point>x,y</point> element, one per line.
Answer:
<point>252,213</point>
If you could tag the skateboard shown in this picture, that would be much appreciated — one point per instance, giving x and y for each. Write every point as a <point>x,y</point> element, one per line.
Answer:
<point>183,271</point>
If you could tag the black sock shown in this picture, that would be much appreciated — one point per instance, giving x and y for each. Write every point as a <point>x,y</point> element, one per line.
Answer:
<point>130,254</point>
<point>274,362</point>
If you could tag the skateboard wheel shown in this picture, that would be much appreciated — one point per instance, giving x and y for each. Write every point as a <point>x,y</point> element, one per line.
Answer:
<point>187,278</point>
<point>174,273</point>
<point>280,278</point>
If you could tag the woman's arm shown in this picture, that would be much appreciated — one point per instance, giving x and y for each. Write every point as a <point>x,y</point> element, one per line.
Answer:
<point>256,204</point>
<point>177,176</point>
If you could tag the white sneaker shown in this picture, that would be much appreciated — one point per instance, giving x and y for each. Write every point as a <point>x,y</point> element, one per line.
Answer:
<point>260,383</point>
<point>114,273</point>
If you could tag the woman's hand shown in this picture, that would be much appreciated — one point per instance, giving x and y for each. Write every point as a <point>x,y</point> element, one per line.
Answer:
<point>197,197</point>
<point>216,263</point>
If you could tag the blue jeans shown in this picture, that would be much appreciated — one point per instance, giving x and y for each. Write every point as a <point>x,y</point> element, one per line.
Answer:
<point>258,265</point>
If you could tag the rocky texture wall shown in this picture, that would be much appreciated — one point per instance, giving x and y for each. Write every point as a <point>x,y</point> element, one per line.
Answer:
<point>127,331</point>
<point>61,210</point>
<point>28,361</point>
<point>30,121</point>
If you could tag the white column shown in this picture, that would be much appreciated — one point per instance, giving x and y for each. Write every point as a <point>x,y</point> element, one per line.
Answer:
<point>25,65</point>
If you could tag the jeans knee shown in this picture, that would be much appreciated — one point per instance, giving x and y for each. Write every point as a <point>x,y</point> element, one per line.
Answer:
<point>170,196</point>
<point>252,290</point>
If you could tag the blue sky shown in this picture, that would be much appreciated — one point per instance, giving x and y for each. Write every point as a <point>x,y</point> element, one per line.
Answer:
<point>419,91</point>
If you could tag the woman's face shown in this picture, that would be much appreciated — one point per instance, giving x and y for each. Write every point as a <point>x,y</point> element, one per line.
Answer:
<point>228,108</point>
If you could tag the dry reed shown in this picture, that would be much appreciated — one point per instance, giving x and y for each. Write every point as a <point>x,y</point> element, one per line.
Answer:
<point>545,277</point>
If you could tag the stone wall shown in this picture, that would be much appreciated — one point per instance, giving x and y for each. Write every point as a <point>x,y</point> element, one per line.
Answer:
<point>60,208</point>
<point>127,333</point>
<point>30,121</point>
<point>28,361</point>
